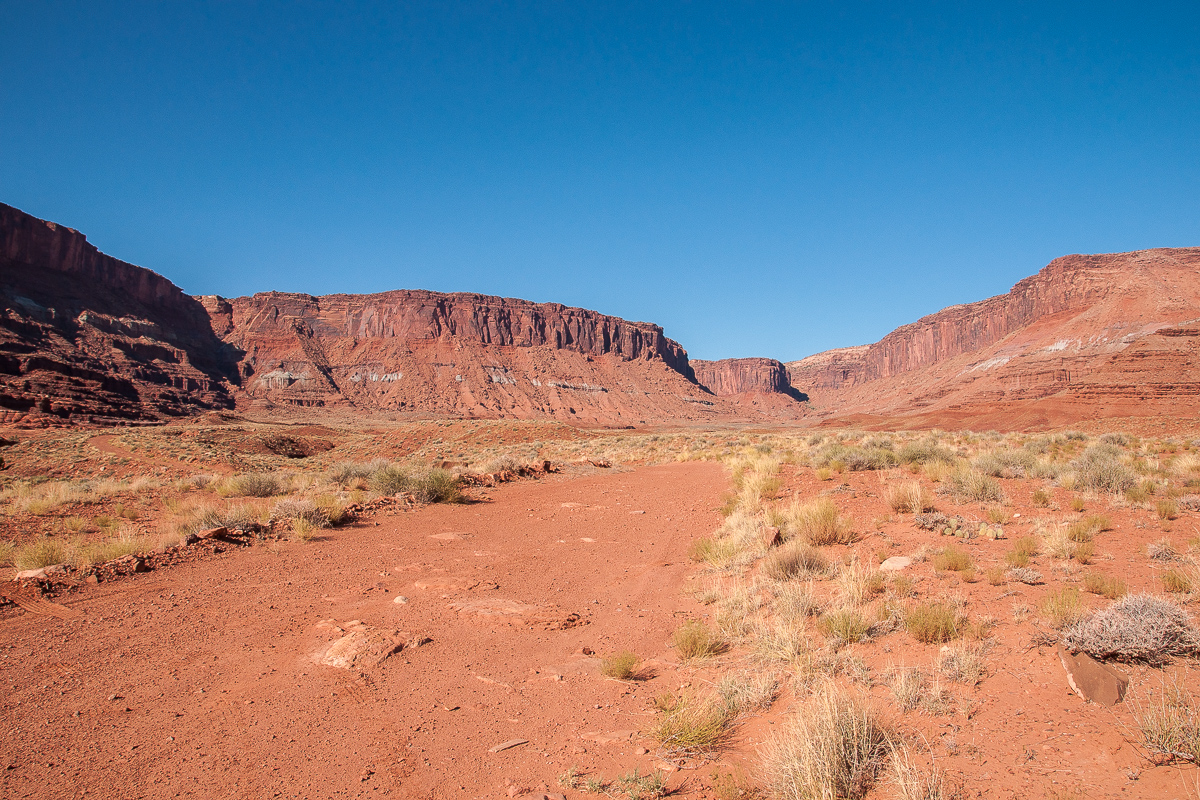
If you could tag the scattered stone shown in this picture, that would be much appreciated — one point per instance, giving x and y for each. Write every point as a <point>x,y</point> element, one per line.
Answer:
<point>213,533</point>
<point>1092,680</point>
<point>637,512</point>
<point>572,505</point>
<point>896,563</point>
<point>507,745</point>
<point>131,563</point>
<point>608,737</point>
<point>451,536</point>
<point>772,537</point>
<point>599,462</point>
<point>640,751</point>
<point>400,600</point>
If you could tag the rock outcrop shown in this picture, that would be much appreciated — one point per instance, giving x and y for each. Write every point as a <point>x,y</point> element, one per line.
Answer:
<point>84,336</point>
<point>464,354</point>
<point>1095,335</point>
<point>735,376</point>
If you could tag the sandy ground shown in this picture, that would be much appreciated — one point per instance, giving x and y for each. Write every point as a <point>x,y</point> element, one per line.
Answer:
<point>201,681</point>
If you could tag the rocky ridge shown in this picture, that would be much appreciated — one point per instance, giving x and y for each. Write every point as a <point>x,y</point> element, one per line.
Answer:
<point>735,376</point>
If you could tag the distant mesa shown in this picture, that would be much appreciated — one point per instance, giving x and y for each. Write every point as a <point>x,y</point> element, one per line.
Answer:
<point>87,338</point>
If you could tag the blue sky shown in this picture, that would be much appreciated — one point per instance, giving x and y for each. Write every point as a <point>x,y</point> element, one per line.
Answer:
<point>759,178</point>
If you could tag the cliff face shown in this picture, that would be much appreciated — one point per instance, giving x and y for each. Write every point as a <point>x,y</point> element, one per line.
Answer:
<point>734,376</point>
<point>1064,339</point>
<point>458,353</point>
<point>84,335</point>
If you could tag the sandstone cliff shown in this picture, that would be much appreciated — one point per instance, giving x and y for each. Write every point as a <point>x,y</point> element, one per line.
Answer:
<point>735,376</point>
<point>84,335</point>
<point>458,353</point>
<point>1088,335</point>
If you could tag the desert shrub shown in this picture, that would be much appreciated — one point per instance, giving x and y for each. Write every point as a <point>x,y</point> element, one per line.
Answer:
<point>1170,726</point>
<point>794,560</point>
<point>995,576</point>
<point>1137,627</point>
<point>1162,550</point>
<point>1116,439</point>
<point>299,508</point>
<point>1100,469</point>
<point>933,622</point>
<point>1062,608</point>
<point>962,663</point>
<point>254,484</point>
<point>347,472</point>
<point>845,624</point>
<point>1005,463</point>
<point>1083,552</point>
<point>908,498</point>
<point>1177,581</point>
<point>952,558</point>
<point>42,552</point>
<point>746,691</point>
<point>390,479</point>
<point>968,485</point>
<point>834,749</point>
<point>855,459</point>
<point>691,726</point>
<point>908,687</point>
<point>621,666</point>
<point>303,530</point>
<point>696,640</point>
<point>1082,530</point>
<point>235,516</point>
<point>1041,498</point>
<point>436,486</point>
<point>925,451</point>
<point>1101,584</point>
<point>1030,577</point>
<point>818,523</point>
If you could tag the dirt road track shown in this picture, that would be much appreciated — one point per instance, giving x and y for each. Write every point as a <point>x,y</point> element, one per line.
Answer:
<point>200,681</point>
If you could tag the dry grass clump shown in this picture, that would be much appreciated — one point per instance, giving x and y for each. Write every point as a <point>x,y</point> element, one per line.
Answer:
<point>1062,608</point>
<point>690,726</point>
<point>1022,550</point>
<point>1166,509</point>
<point>908,687</point>
<point>694,640</point>
<point>967,485</point>
<point>954,559</point>
<point>912,782</point>
<point>1040,498</point>
<point>1162,550</point>
<point>1170,726</point>
<point>908,498</point>
<point>794,560</point>
<point>1176,581</point>
<point>1138,627</point>
<point>818,523</point>
<point>795,601</point>
<point>253,484</point>
<point>925,451</point>
<point>855,459</point>
<point>963,664</point>
<point>858,583</point>
<point>834,749</point>
<point>845,624</point>
<point>301,509</point>
<point>235,516</point>
<point>1107,586</point>
<point>779,642</point>
<point>622,666</point>
<point>1084,530</point>
<point>932,622</point>
<point>995,576</point>
<point>746,691</point>
<point>349,473</point>
<point>1005,463</point>
<point>42,552</point>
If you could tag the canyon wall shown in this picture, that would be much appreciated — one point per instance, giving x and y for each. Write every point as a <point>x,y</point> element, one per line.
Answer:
<point>87,336</point>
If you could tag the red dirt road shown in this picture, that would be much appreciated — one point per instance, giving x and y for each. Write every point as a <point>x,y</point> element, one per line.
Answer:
<point>200,681</point>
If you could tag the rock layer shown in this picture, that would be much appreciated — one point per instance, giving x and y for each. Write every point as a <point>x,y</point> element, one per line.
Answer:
<point>1095,335</point>
<point>87,336</point>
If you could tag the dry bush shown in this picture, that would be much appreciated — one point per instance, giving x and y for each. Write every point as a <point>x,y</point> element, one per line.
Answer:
<point>932,622</point>
<point>845,624</point>
<point>1041,498</point>
<point>795,560</point>
<point>1083,530</point>
<point>995,576</point>
<point>695,640</point>
<point>303,530</point>
<point>1099,469</point>
<point>300,509</point>
<point>778,642</point>
<point>688,726</point>
<point>1170,725</point>
<point>1025,575</point>
<point>834,749</point>
<point>1005,463</point>
<point>126,544</point>
<point>908,687</point>
<point>854,459</point>
<point>622,666</point>
<point>1111,587</point>
<point>1138,627</point>
<point>912,782</point>
<point>857,583</point>
<point>795,601</point>
<point>1022,550</point>
<point>925,451</point>
<point>235,516</point>
<point>1063,608</point>
<point>954,559</point>
<point>1077,504</point>
<point>818,523</point>
<point>1162,550</point>
<point>968,485</point>
<point>908,498</point>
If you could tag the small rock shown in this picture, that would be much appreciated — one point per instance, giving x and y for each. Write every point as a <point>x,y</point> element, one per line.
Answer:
<point>896,563</point>
<point>1091,679</point>
<point>640,751</point>
<point>213,533</point>
<point>400,600</point>
<point>507,745</point>
<point>772,536</point>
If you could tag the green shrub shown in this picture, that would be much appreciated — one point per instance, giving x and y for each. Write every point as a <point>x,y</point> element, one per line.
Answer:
<point>932,623</point>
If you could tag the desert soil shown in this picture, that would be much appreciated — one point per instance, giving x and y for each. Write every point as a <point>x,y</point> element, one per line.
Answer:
<point>203,681</point>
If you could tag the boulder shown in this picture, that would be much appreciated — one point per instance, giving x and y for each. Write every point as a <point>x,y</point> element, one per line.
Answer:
<point>896,563</point>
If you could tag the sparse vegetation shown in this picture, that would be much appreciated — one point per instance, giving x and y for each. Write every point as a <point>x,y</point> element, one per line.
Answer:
<point>967,485</point>
<point>622,666</point>
<point>690,726</point>
<point>1062,608</point>
<point>1138,627</point>
<point>932,622</point>
<point>818,523</point>
<point>954,559</point>
<point>694,640</point>
<point>1107,586</point>
<point>908,498</point>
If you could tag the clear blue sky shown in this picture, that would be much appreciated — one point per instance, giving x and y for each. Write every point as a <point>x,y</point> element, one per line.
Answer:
<point>760,179</point>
